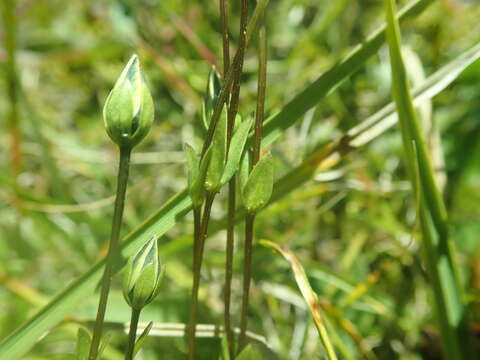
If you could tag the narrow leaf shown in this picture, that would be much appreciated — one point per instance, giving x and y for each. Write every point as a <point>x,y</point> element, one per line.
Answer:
<point>235,152</point>
<point>308,294</point>
<point>192,164</point>
<point>217,161</point>
<point>141,339</point>
<point>211,95</point>
<point>249,353</point>
<point>451,311</point>
<point>259,186</point>
<point>83,344</point>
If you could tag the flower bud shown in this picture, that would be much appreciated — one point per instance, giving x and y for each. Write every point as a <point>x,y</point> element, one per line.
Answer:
<point>128,110</point>
<point>143,276</point>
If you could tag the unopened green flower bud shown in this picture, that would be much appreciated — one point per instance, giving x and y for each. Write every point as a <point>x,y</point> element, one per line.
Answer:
<point>143,276</point>
<point>128,110</point>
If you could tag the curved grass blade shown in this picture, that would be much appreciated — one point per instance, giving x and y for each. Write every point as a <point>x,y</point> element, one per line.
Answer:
<point>308,294</point>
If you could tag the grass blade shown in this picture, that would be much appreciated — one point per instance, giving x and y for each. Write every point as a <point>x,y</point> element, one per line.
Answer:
<point>451,311</point>
<point>331,79</point>
<point>308,294</point>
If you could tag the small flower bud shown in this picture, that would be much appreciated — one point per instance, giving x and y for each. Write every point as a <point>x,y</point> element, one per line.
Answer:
<point>128,110</point>
<point>143,276</point>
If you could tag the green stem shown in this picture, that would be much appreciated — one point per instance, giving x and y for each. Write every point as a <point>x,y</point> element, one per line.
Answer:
<point>223,4</point>
<point>247,275</point>
<point>122,180</point>
<point>202,235</point>
<point>250,218</point>
<point>232,113</point>
<point>229,264</point>
<point>229,76</point>
<point>132,334</point>
<point>197,219</point>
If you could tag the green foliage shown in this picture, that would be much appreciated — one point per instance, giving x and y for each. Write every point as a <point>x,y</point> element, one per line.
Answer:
<point>259,186</point>
<point>83,344</point>
<point>197,172</point>
<point>249,353</point>
<point>141,339</point>
<point>235,151</point>
<point>219,154</point>
<point>211,95</point>
<point>340,202</point>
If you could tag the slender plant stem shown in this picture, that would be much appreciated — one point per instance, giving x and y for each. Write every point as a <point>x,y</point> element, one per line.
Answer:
<point>122,179</point>
<point>132,334</point>
<point>232,112</point>
<point>197,219</point>
<point>250,218</point>
<point>229,264</point>
<point>247,275</point>
<point>238,69</point>
<point>229,76</point>
<point>191,331</point>
<point>223,4</point>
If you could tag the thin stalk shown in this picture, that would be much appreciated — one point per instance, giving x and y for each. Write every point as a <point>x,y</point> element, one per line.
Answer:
<point>238,69</point>
<point>223,4</point>
<point>132,334</point>
<point>247,275</point>
<point>192,327</point>
<point>229,265</point>
<point>197,218</point>
<point>232,113</point>
<point>122,179</point>
<point>229,77</point>
<point>250,218</point>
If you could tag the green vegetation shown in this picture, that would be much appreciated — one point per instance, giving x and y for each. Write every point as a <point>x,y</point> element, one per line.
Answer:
<point>307,188</point>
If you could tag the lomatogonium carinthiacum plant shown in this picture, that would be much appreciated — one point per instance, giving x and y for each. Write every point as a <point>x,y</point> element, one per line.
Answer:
<point>207,176</point>
<point>128,116</point>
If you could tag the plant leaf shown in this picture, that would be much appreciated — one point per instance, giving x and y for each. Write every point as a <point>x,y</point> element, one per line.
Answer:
<point>308,294</point>
<point>214,85</point>
<point>103,344</point>
<point>217,161</point>
<point>192,164</point>
<point>451,311</point>
<point>225,354</point>
<point>249,353</point>
<point>235,152</point>
<point>83,344</point>
<point>259,186</point>
<point>141,339</point>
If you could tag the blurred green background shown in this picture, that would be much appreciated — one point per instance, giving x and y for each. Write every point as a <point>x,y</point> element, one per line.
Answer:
<point>352,227</point>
